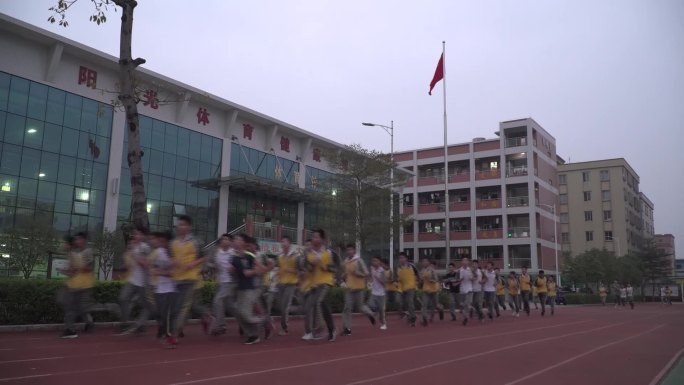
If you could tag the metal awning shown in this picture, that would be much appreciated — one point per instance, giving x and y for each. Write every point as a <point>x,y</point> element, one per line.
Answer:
<point>252,184</point>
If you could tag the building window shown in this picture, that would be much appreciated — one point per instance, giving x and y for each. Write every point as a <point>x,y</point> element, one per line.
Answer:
<point>588,215</point>
<point>587,196</point>
<point>562,179</point>
<point>605,195</point>
<point>607,215</point>
<point>563,199</point>
<point>564,218</point>
<point>589,235</point>
<point>585,176</point>
<point>565,237</point>
<point>607,235</point>
<point>605,175</point>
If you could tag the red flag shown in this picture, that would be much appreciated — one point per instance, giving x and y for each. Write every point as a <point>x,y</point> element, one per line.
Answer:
<point>439,74</point>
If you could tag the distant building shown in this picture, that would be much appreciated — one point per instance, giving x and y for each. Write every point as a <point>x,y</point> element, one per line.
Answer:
<point>679,268</point>
<point>502,195</point>
<point>647,223</point>
<point>666,243</point>
<point>601,207</point>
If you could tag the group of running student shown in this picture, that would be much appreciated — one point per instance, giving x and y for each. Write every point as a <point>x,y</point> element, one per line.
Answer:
<point>471,290</point>
<point>165,277</point>
<point>622,293</point>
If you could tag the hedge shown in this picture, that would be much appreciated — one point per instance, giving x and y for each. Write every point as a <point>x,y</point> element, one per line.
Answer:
<point>25,302</point>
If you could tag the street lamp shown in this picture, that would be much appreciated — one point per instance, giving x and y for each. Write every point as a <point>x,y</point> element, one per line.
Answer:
<point>389,130</point>
<point>555,237</point>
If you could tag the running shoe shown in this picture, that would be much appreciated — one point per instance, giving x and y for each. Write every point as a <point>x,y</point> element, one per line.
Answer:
<point>346,332</point>
<point>252,341</point>
<point>371,319</point>
<point>383,327</point>
<point>332,336</point>
<point>69,334</point>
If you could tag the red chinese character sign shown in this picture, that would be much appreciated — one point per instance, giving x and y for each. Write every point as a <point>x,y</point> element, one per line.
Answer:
<point>87,76</point>
<point>285,144</point>
<point>317,155</point>
<point>203,116</point>
<point>150,99</point>
<point>247,130</point>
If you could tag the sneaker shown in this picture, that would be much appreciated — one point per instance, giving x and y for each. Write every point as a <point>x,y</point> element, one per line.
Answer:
<point>383,327</point>
<point>252,341</point>
<point>181,334</point>
<point>491,317</point>
<point>308,337</point>
<point>517,315</point>
<point>89,327</point>
<point>218,331</point>
<point>465,321</point>
<point>371,319</point>
<point>425,322</point>
<point>268,333</point>
<point>543,313</point>
<point>170,342</point>
<point>207,320</point>
<point>332,336</point>
<point>283,332</point>
<point>346,332</point>
<point>130,330</point>
<point>68,334</point>
<point>441,315</point>
<point>453,317</point>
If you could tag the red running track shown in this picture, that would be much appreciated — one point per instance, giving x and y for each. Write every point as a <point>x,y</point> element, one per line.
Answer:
<point>579,345</point>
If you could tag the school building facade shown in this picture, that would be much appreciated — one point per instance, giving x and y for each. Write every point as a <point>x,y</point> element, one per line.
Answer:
<point>63,149</point>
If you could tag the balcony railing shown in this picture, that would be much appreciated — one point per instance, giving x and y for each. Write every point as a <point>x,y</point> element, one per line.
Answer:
<point>266,231</point>
<point>459,235</point>
<point>430,208</point>
<point>463,176</point>
<point>430,180</point>
<point>488,174</point>
<point>488,204</point>
<point>518,232</point>
<point>516,142</point>
<point>431,236</point>
<point>290,232</point>
<point>459,206</point>
<point>521,201</point>
<point>490,234</point>
<point>516,171</point>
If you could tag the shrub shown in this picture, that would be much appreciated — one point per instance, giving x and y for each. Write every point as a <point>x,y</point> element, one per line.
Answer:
<point>582,299</point>
<point>30,301</point>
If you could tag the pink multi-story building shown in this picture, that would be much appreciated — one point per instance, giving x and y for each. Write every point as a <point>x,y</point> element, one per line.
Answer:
<point>502,199</point>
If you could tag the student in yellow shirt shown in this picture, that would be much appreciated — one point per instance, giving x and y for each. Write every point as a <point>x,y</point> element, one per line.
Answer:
<point>187,259</point>
<point>323,267</point>
<point>355,275</point>
<point>513,293</point>
<point>525,289</point>
<point>407,276</point>
<point>392,292</point>
<point>500,292</point>
<point>551,293</point>
<point>541,285</point>
<point>287,281</point>
<point>78,295</point>
<point>431,287</point>
<point>603,293</point>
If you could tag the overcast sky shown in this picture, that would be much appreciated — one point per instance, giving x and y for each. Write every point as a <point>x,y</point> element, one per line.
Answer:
<point>606,78</point>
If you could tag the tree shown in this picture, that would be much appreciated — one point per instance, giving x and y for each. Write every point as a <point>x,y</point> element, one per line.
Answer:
<point>108,245</point>
<point>27,246</point>
<point>655,263</point>
<point>593,266</point>
<point>127,96</point>
<point>361,186</point>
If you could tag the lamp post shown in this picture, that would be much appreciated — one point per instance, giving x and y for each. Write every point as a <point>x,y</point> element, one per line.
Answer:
<point>389,130</point>
<point>555,237</point>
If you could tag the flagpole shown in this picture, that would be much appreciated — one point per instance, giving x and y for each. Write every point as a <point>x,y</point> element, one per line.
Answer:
<point>447,226</point>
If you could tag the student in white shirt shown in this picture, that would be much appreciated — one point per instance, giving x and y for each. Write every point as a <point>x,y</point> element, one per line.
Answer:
<point>489,288</point>
<point>377,300</point>
<point>465,281</point>
<point>478,295</point>
<point>225,296</point>
<point>165,292</point>
<point>135,290</point>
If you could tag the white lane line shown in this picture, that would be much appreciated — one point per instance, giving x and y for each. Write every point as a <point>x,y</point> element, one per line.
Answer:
<point>588,352</point>
<point>446,362</point>
<point>399,350</point>
<point>666,369</point>
<point>259,352</point>
<point>32,359</point>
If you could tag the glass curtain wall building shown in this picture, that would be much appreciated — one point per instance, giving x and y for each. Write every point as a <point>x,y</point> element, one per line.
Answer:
<point>54,148</point>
